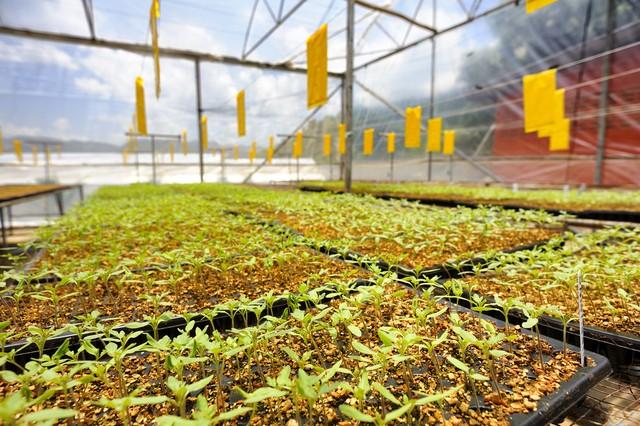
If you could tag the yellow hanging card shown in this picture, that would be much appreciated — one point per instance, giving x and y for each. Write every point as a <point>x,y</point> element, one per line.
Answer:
<point>34,154</point>
<point>391,143</point>
<point>17,148</point>
<point>326,145</point>
<point>125,155</point>
<point>342,139</point>
<point>154,14</point>
<point>171,151</point>
<point>270,150</point>
<point>367,142</point>
<point>59,149</point>
<point>205,133</point>
<point>141,115</point>
<point>47,154</point>
<point>317,75</point>
<point>558,115</point>
<point>449,144</point>
<point>533,5</point>
<point>242,125</point>
<point>413,119</point>
<point>236,152</point>
<point>434,134</point>
<point>297,145</point>
<point>559,140</point>
<point>252,152</point>
<point>538,99</point>
<point>183,142</point>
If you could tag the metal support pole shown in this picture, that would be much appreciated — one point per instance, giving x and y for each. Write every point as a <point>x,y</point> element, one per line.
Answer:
<point>199,110</point>
<point>298,169</point>
<point>222,179</point>
<point>604,93</point>
<point>4,230</point>
<point>59,202</point>
<point>10,219</point>
<point>137,166</point>
<point>391,167</point>
<point>331,166</point>
<point>348,96</point>
<point>450,171</point>
<point>432,83</point>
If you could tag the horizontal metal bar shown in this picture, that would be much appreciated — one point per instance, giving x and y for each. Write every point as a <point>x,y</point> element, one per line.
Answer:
<point>155,135</point>
<point>145,49</point>
<point>395,13</point>
<point>445,30</point>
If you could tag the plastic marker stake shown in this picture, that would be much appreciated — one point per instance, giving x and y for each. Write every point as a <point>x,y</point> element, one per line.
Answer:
<point>141,114</point>
<point>17,147</point>
<point>581,318</point>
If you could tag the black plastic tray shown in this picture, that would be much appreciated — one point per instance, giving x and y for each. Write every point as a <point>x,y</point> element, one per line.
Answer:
<point>605,215</point>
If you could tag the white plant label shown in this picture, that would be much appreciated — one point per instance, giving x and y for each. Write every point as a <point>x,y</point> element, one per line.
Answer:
<point>581,318</point>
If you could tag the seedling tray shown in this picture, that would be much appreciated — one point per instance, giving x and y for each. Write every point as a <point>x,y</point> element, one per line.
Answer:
<point>622,349</point>
<point>605,215</point>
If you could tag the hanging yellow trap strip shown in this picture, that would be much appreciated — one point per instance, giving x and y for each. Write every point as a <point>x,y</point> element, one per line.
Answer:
<point>538,97</point>
<point>59,150</point>
<point>236,152</point>
<point>47,154</point>
<point>141,115</point>
<point>125,157</point>
<point>270,150</point>
<point>252,152</point>
<point>326,145</point>
<point>171,151</point>
<point>297,145</point>
<point>34,154</point>
<point>154,14</point>
<point>17,148</point>
<point>183,141</point>
<point>317,72</point>
<point>434,134</point>
<point>342,139</point>
<point>449,143</point>
<point>367,142</point>
<point>533,5</point>
<point>242,125</point>
<point>391,143</point>
<point>205,133</point>
<point>413,119</point>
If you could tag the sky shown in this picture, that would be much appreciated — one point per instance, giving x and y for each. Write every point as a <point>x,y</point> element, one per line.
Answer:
<point>82,93</point>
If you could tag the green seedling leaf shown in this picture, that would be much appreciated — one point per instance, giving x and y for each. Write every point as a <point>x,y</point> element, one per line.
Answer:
<point>385,393</point>
<point>261,394</point>
<point>362,348</point>
<point>355,414</point>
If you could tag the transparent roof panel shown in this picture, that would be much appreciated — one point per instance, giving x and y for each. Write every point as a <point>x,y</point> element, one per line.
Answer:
<point>58,16</point>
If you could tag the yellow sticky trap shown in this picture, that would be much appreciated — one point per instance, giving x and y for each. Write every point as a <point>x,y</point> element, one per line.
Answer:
<point>213,152</point>
<point>154,14</point>
<point>171,152</point>
<point>559,140</point>
<point>205,133</point>
<point>34,154</point>
<point>413,118</point>
<point>242,125</point>
<point>221,154</point>
<point>47,154</point>
<point>141,115</point>
<point>558,114</point>
<point>533,5</point>
<point>367,143</point>
<point>17,148</point>
<point>270,149</point>
<point>342,139</point>
<point>236,152</point>
<point>252,152</point>
<point>538,98</point>
<point>449,144</point>
<point>317,75</point>
<point>391,143</point>
<point>125,155</point>
<point>59,149</point>
<point>326,145</point>
<point>297,145</point>
<point>183,142</point>
<point>434,133</point>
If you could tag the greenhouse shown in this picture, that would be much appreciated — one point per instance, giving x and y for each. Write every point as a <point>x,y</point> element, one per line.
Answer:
<point>320,212</point>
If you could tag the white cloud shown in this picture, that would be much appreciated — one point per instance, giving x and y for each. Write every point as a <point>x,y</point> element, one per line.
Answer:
<point>61,124</point>
<point>29,53</point>
<point>92,86</point>
<point>10,129</point>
